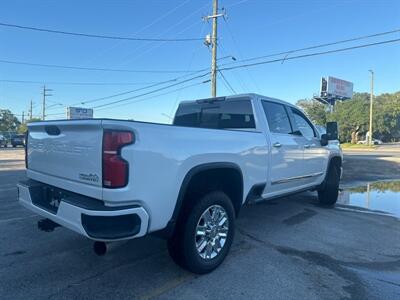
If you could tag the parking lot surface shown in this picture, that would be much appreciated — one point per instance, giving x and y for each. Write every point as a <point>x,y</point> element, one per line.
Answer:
<point>287,248</point>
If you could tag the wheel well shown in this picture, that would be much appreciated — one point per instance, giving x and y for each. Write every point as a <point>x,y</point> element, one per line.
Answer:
<point>335,161</point>
<point>225,178</point>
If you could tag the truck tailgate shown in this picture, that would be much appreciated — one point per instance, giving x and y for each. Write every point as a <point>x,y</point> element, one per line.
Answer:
<point>70,150</point>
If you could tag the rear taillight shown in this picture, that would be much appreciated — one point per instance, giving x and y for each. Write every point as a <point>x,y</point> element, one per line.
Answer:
<point>115,168</point>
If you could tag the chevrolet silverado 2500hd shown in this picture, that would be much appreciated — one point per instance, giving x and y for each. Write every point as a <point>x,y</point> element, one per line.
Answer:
<point>113,180</point>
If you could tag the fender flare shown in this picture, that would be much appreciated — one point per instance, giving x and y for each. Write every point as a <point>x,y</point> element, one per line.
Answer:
<point>169,229</point>
<point>334,157</point>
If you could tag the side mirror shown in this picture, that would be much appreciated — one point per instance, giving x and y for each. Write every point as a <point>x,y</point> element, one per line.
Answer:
<point>332,131</point>
<point>324,139</point>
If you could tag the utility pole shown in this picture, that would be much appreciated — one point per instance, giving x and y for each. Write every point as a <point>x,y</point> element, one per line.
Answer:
<point>370,108</point>
<point>30,111</point>
<point>44,101</point>
<point>23,117</point>
<point>214,51</point>
<point>213,43</point>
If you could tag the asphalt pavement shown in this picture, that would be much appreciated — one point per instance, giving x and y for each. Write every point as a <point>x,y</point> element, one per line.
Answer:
<point>287,248</point>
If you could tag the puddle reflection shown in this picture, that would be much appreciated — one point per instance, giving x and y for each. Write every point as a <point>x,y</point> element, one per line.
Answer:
<point>382,196</point>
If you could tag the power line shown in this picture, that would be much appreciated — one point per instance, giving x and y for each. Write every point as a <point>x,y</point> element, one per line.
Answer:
<point>234,67</point>
<point>193,71</point>
<point>127,92</point>
<point>142,29</point>
<point>250,65</point>
<point>309,55</point>
<point>226,81</point>
<point>255,64</point>
<point>194,53</point>
<point>237,76</point>
<point>158,95</point>
<point>143,88</point>
<point>235,4</point>
<point>318,46</point>
<point>144,99</point>
<point>74,83</point>
<point>153,91</point>
<point>148,49</point>
<point>236,44</point>
<point>55,114</point>
<point>100,36</point>
<point>134,90</point>
<point>90,69</point>
<point>52,106</point>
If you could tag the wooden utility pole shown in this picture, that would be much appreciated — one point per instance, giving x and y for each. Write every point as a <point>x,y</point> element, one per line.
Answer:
<point>44,101</point>
<point>23,117</point>
<point>30,111</point>
<point>213,40</point>
<point>214,50</point>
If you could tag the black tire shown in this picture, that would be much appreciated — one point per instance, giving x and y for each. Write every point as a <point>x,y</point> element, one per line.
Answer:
<point>328,195</point>
<point>182,245</point>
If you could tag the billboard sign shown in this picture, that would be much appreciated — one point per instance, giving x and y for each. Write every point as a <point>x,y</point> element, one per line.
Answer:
<point>79,113</point>
<point>339,88</point>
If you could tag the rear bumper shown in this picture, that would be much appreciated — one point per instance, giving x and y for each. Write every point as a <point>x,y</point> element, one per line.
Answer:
<point>82,214</point>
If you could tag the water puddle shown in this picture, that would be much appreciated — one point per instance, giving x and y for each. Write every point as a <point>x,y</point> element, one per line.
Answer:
<point>381,196</point>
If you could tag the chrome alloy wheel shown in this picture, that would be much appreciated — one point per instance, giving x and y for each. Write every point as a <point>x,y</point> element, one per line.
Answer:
<point>211,231</point>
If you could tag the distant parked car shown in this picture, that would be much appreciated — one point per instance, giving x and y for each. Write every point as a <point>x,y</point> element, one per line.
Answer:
<point>3,141</point>
<point>18,140</point>
<point>374,141</point>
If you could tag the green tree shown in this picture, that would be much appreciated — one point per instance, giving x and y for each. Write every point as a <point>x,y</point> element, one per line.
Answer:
<point>23,127</point>
<point>8,122</point>
<point>386,117</point>
<point>353,115</point>
<point>315,110</point>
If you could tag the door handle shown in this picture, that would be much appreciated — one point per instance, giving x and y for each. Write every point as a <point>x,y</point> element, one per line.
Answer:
<point>277,145</point>
<point>307,146</point>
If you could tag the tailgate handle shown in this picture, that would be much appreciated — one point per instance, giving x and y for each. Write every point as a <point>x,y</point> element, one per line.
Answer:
<point>52,130</point>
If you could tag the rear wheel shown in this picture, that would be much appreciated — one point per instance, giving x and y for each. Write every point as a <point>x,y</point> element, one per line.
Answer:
<point>328,195</point>
<point>204,235</point>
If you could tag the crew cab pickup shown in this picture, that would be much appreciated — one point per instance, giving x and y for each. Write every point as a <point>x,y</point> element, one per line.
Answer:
<point>114,180</point>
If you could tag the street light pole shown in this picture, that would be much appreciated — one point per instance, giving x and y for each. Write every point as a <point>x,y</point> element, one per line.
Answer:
<point>370,108</point>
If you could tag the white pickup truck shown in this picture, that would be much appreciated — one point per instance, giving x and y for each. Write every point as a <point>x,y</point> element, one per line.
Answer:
<point>113,180</point>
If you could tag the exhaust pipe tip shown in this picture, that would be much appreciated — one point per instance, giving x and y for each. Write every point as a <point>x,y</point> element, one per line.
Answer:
<point>100,248</point>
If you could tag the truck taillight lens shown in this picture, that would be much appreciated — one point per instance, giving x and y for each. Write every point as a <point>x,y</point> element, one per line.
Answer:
<point>115,168</point>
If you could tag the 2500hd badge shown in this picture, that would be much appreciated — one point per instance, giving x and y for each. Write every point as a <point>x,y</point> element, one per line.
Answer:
<point>89,177</point>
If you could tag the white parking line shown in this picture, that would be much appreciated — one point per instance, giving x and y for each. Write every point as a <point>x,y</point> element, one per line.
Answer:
<point>17,219</point>
<point>368,212</point>
<point>7,184</point>
<point>8,189</point>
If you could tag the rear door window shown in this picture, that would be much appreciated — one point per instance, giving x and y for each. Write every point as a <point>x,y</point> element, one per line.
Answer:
<point>228,114</point>
<point>277,117</point>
